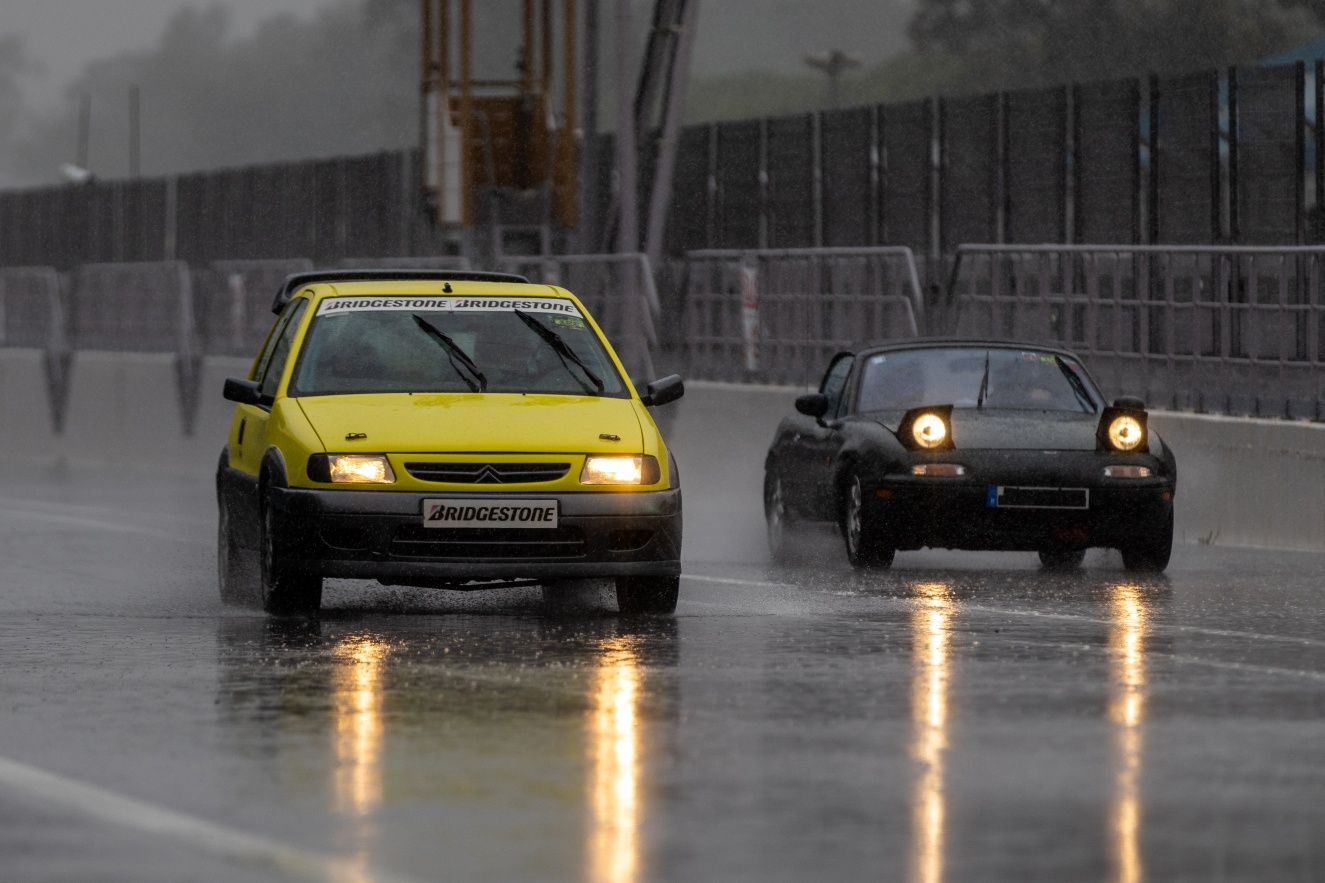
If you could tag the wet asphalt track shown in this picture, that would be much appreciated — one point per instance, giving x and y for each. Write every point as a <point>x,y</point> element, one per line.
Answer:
<point>959,718</point>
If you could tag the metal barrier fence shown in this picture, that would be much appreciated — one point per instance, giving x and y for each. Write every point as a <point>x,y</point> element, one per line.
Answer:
<point>778,315</point>
<point>618,289</point>
<point>1226,329</point>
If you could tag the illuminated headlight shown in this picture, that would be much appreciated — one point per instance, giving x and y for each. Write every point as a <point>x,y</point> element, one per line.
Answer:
<point>620,470</point>
<point>944,470</point>
<point>929,430</point>
<point>1127,471</point>
<point>359,469</point>
<point>1125,433</point>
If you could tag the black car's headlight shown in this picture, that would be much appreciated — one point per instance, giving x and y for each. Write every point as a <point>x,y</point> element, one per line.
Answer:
<point>929,430</point>
<point>351,469</point>
<point>1126,432</point>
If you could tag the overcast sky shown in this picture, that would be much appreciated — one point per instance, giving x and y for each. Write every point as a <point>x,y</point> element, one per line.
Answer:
<point>736,35</point>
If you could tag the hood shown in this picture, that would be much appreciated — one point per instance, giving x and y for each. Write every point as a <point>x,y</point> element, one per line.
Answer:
<point>994,429</point>
<point>490,422</point>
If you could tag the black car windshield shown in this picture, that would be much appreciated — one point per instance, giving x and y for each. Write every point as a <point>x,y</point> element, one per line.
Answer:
<point>971,377</point>
<point>452,344</point>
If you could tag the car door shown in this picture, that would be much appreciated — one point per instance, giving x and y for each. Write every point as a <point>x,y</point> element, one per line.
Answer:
<point>249,443</point>
<point>821,440</point>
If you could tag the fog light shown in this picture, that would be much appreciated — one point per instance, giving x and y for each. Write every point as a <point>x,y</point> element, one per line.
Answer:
<point>1126,471</point>
<point>942,470</point>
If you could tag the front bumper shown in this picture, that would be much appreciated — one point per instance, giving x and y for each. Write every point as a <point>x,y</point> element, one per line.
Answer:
<point>955,513</point>
<point>380,535</point>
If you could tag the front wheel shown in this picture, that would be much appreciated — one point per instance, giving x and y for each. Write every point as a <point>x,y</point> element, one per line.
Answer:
<point>777,519</point>
<point>867,543</point>
<point>647,594</point>
<point>1150,554</point>
<point>235,582</point>
<point>285,591</point>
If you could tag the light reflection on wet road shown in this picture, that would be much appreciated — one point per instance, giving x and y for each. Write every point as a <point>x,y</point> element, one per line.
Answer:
<point>960,717</point>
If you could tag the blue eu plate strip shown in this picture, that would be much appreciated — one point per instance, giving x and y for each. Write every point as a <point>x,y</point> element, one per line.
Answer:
<point>991,496</point>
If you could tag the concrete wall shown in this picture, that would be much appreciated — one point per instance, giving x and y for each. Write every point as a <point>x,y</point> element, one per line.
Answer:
<point>1241,482</point>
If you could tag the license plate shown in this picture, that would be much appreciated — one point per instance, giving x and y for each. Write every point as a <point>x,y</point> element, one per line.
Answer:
<point>1002,497</point>
<point>505,513</point>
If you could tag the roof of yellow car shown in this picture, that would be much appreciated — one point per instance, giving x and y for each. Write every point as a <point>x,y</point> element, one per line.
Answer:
<point>472,289</point>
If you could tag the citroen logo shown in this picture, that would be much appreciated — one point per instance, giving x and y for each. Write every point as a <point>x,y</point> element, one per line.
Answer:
<point>488,475</point>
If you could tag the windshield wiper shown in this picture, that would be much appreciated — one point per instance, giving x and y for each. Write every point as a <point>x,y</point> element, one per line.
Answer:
<point>984,384</point>
<point>1078,388</point>
<point>453,352</point>
<point>563,350</point>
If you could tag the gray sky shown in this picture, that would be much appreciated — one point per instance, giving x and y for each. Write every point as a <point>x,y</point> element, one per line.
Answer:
<point>736,35</point>
<point>64,35</point>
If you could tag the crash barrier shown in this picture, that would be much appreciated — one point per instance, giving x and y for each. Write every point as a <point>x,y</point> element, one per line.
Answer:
<point>32,317</point>
<point>1242,482</point>
<point>618,289</point>
<point>1224,329</point>
<point>778,315</point>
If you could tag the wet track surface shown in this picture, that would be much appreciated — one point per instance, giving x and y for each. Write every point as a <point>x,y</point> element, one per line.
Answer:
<point>961,717</point>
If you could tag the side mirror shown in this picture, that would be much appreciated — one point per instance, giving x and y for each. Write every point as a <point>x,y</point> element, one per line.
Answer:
<point>814,404</point>
<point>1130,403</point>
<point>244,392</point>
<point>663,390</point>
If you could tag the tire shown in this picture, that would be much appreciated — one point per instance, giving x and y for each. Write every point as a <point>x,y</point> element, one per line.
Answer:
<point>234,580</point>
<point>778,521</point>
<point>1151,555</point>
<point>868,547</point>
<point>647,594</point>
<point>284,591</point>
<point>1061,558</point>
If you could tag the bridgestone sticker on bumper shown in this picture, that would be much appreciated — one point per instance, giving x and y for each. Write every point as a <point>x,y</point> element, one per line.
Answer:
<point>490,513</point>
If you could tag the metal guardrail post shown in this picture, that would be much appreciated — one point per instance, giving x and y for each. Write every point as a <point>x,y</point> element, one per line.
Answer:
<point>25,327</point>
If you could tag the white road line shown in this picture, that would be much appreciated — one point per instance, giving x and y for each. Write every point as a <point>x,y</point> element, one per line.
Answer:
<point>1035,614</point>
<point>30,514</point>
<point>127,812</point>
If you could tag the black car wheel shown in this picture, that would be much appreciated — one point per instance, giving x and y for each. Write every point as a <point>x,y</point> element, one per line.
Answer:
<point>236,584</point>
<point>1150,554</point>
<point>647,594</point>
<point>777,519</point>
<point>1062,559</point>
<point>284,590</point>
<point>867,543</point>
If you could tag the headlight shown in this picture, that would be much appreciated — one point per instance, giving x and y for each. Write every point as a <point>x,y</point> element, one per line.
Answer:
<point>351,469</point>
<point>929,430</point>
<point>1125,433</point>
<point>620,470</point>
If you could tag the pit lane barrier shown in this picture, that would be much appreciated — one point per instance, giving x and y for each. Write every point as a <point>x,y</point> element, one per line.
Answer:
<point>1237,330</point>
<point>619,290</point>
<point>778,315</point>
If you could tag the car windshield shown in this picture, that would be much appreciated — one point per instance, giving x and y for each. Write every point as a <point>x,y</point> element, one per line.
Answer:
<point>453,344</point>
<point>970,377</point>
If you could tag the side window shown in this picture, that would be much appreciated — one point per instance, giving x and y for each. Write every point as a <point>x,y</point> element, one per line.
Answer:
<point>835,382</point>
<point>271,372</point>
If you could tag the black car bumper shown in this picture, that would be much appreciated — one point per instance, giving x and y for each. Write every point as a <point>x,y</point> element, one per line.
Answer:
<point>965,512</point>
<point>381,535</point>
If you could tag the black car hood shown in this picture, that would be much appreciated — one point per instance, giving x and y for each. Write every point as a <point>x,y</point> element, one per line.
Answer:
<point>1013,430</point>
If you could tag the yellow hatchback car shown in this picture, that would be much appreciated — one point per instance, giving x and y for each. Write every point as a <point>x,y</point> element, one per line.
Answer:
<point>443,430</point>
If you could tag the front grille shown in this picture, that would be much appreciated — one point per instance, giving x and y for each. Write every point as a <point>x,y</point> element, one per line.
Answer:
<point>416,541</point>
<point>487,473</point>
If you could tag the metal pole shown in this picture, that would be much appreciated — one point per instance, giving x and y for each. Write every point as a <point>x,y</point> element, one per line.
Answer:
<point>135,165</point>
<point>628,219</point>
<point>660,199</point>
<point>84,129</point>
<point>589,162</point>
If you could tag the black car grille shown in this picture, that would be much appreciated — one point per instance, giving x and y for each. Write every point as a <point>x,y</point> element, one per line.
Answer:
<point>488,473</point>
<point>416,541</point>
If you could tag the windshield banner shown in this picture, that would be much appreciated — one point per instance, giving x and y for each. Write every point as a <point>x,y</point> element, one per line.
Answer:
<point>339,306</point>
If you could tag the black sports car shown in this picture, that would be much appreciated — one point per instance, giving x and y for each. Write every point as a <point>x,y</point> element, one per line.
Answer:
<point>971,444</point>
